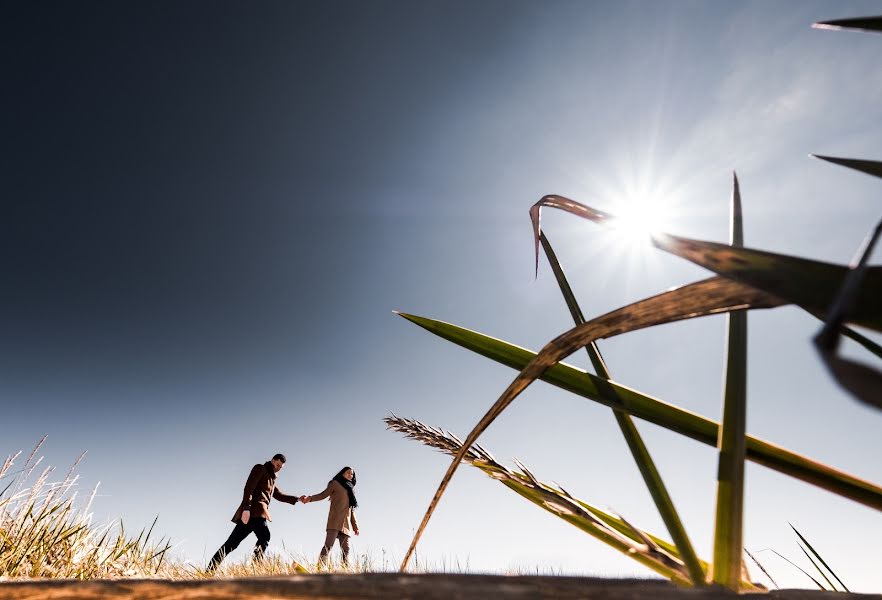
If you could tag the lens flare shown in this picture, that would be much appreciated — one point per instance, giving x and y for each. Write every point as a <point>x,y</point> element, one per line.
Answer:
<point>638,219</point>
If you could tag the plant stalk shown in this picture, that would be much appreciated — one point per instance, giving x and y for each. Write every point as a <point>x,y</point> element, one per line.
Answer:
<point>642,457</point>
<point>729,516</point>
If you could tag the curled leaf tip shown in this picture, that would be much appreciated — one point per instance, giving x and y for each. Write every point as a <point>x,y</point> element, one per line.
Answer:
<point>537,231</point>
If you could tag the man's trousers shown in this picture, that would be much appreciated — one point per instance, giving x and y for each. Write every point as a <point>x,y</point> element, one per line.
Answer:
<point>255,525</point>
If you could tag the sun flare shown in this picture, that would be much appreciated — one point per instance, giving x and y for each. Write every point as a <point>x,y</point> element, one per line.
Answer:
<point>636,220</point>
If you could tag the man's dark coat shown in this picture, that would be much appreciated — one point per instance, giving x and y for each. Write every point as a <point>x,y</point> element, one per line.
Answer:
<point>259,489</point>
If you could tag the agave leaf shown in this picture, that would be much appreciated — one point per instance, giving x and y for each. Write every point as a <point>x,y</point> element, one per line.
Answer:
<point>870,167</point>
<point>655,411</point>
<point>855,24</point>
<point>823,562</point>
<point>651,477</point>
<point>729,514</point>
<point>811,284</point>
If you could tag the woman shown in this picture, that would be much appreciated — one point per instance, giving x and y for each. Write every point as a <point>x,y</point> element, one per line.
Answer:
<point>341,517</point>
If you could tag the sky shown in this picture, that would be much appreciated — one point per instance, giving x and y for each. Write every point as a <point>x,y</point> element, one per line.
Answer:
<point>210,211</point>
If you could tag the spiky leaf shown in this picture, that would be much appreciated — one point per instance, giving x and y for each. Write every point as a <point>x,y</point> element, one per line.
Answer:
<point>655,411</point>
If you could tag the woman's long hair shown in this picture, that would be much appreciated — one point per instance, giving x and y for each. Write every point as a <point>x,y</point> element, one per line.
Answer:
<point>339,475</point>
<point>348,485</point>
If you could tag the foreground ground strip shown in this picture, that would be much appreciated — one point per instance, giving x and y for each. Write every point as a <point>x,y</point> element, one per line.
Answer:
<point>388,585</point>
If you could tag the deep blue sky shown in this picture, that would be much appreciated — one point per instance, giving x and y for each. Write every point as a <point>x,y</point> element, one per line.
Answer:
<point>209,211</point>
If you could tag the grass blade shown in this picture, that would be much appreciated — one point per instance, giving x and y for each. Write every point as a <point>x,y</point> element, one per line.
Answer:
<point>729,515</point>
<point>655,411</point>
<point>611,530</point>
<point>810,284</point>
<point>823,562</point>
<point>702,298</point>
<point>804,572</point>
<point>861,381</point>
<point>817,568</point>
<point>642,457</point>
<point>864,341</point>
<point>856,24</point>
<point>870,167</point>
<point>813,285</point>
<point>762,568</point>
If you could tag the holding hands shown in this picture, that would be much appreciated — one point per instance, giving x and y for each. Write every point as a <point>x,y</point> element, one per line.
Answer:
<point>304,499</point>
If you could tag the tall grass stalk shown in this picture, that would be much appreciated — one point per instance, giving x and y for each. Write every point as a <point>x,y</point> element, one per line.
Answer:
<point>746,279</point>
<point>651,477</point>
<point>655,411</point>
<point>820,559</point>
<point>657,554</point>
<point>45,533</point>
<point>729,521</point>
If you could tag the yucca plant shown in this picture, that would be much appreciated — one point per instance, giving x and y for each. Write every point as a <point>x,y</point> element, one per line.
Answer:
<point>44,533</point>
<point>746,279</point>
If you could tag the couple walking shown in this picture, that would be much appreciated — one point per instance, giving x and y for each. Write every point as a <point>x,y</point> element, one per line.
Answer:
<point>253,512</point>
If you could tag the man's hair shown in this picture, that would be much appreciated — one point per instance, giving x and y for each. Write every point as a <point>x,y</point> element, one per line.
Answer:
<point>280,457</point>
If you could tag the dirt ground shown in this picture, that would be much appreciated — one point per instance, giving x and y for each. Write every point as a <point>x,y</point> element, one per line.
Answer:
<point>387,586</point>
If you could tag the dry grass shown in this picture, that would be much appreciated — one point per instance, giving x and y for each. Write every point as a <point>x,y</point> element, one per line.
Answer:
<point>45,532</point>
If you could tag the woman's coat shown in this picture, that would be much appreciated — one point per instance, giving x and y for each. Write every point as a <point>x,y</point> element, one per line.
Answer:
<point>341,516</point>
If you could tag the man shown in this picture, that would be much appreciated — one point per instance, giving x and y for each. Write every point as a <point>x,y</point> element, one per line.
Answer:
<point>253,512</point>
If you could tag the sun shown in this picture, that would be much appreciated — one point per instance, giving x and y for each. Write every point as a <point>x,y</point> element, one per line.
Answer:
<point>638,218</point>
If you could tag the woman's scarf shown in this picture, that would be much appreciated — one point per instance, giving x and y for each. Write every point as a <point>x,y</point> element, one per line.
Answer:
<point>347,485</point>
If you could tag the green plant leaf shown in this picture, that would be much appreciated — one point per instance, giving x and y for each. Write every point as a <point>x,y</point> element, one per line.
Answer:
<point>817,568</point>
<point>711,296</point>
<point>761,568</point>
<point>649,550</point>
<point>864,341</point>
<point>832,293</point>
<point>870,167</point>
<point>861,381</point>
<point>855,24</point>
<point>729,514</point>
<point>804,572</point>
<point>657,412</point>
<point>810,284</point>
<point>651,477</point>
<point>823,562</point>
